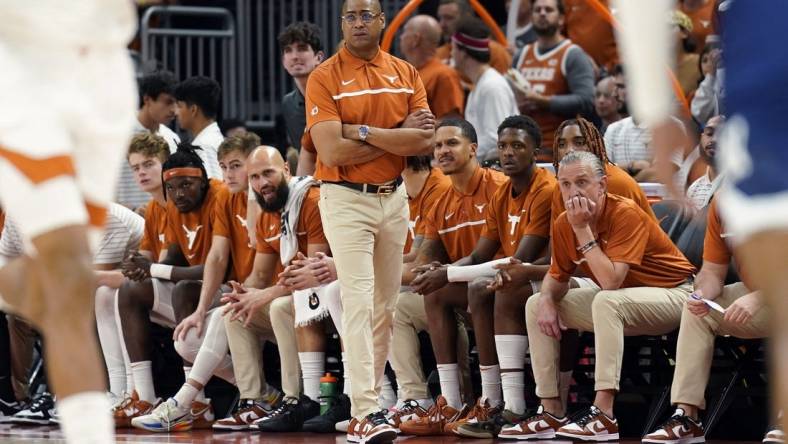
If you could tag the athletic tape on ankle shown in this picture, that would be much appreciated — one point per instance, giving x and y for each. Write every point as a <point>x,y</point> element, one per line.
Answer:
<point>161,271</point>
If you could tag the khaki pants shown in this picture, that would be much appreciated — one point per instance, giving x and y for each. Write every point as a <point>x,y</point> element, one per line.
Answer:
<point>611,315</point>
<point>695,349</point>
<point>410,319</point>
<point>246,349</point>
<point>366,233</point>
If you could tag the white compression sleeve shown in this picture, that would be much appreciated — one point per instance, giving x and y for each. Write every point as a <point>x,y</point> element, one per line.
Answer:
<point>471,272</point>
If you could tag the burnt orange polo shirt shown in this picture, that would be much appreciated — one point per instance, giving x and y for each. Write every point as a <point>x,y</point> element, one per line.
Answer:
<point>380,93</point>
<point>500,59</point>
<point>716,246</point>
<point>230,222</point>
<point>528,214</point>
<point>193,231</point>
<point>619,183</point>
<point>589,30</point>
<point>702,21</point>
<point>625,234</point>
<point>458,217</point>
<point>437,185</point>
<point>444,90</point>
<point>309,229</point>
<point>307,143</point>
<point>153,237</point>
<point>2,220</point>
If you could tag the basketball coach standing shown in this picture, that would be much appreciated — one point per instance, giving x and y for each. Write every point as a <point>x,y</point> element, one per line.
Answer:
<point>357,104</point>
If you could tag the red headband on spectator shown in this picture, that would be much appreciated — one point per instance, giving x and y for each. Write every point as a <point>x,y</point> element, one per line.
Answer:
<point>471,42</point>
<point>182,172</point>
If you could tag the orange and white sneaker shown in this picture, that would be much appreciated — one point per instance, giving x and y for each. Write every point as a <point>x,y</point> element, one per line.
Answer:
<point>438,416</point>
<point>678,429</point>
<point>130,408</point>
<point>202,415</point>
<point>246,413</point>
<point>410,409</point>
<point>541,425</point>
<point>591,425</point>
<point>481,411</point>
<point>373,429</point>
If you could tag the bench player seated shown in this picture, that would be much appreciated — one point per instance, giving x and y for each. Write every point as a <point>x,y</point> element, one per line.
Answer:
<point>122,235</point>
<point>261,309</point>
<point>745,316</point>
<point>643,282</point>
<point>209,352</point>
<point>149,294</point>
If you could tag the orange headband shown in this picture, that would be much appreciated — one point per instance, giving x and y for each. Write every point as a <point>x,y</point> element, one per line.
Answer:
<point>182,172</point>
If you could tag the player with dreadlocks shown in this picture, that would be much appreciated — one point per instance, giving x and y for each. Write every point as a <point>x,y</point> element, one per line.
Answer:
<point>579,134</point>
<point>148,294</point>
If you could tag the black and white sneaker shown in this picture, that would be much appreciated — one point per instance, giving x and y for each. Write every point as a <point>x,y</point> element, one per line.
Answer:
<point>775,434</point>
<point>40,412</point>
<point>9,409</point>
<point>289,417</point>
<point>327,422</point>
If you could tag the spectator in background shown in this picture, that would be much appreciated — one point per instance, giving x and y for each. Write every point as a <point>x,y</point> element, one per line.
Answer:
<point>706,100</point>
<point>418,41</point>
<point>701,13</point>
<point>560,74</point>
<point>687,71</point>
<point>302,51</point>
<point>197,105</point>
<point>233,127</point>
<point>524,34</point>
<point>491,100</point>
<point>589,30</point>
<point>450,12</point>
<point>619,81</point>
<point>157,110</point>
<point>700,192</point>
<point>606,102</point>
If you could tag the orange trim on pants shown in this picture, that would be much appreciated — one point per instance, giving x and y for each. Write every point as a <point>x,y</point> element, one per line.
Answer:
<point>40,170</point>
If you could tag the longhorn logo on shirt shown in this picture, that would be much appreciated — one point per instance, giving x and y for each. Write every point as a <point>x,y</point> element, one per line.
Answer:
<point>480,207</point>
<point>412,227</point>
<point>514,220</point>
<point>241,220</point>
<point>161,238</point>
<point>191,235</point>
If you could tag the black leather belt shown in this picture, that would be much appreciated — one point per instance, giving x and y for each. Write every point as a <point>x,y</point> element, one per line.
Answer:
<point>383,189</point>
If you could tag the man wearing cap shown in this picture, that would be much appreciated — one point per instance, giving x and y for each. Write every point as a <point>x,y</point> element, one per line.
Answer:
<point>357,104</point>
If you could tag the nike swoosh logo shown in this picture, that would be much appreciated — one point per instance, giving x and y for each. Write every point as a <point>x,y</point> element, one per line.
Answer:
<point>448,216</point>
<point>348,82</point>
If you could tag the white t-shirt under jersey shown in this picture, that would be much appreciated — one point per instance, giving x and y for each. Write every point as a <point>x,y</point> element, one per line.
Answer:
<point>209,140</point>
<point>489,103</point>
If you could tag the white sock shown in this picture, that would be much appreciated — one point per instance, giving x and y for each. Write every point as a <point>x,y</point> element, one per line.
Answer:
<point>109,338</point>
<point>85,418</point>
<point>564,383</point>
<point>143,380</point>
<point>186,395</point>
<point>126,360</point>
<point>491,383</point>
<point>386,396</point>
<point>449,375</point>
<point>345,375</point>
<point>511,356</point>
<point>187,371</point>
<point>313,366</point>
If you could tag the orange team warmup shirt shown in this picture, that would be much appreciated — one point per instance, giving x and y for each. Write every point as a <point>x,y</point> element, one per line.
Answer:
<point>715,245</point>
<point>500,59</point>
<point>590,31</point>
<point>380,93</point>
<point>193,231</point>
<point>457,218</point>
<point>619,183</point>
<point>702,21</point>
<point>444,90</point>
<point>230,222</point>
<point>437,185</point>
<point>2,220</point>
<point>309,229</point>
<point>545,73</point>
<point>625,234</point>
<point>509,218</point>
<point>155,229</point>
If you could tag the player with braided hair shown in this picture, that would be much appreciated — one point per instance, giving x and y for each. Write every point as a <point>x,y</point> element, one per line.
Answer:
<point>148,294</point>
<point>579,134</point>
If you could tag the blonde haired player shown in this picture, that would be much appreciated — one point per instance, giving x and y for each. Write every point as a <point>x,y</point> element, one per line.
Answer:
<point>68,99</point>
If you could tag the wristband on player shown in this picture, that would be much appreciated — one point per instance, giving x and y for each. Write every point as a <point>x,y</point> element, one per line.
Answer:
<point>161,271</point>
